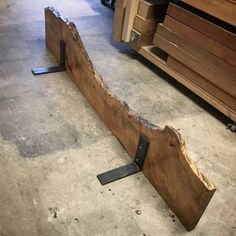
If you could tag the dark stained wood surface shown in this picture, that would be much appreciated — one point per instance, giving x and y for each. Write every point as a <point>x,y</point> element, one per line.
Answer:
<point>145,26</point>
<point>167,165</point>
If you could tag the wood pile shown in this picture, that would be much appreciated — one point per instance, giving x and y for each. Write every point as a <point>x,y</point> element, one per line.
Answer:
<point>149,14</point>
<point>195,43</point>
<point>202,49</point>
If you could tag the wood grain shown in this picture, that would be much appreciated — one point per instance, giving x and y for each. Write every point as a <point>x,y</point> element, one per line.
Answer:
<point>167,165</point>
<point>202,82</point>
<point>149,52</point>
<point>199,60</point>
<point>221,9</point>
<point>201,40</point>
<point>118,21</point>
<point>145,26</point>
<point>150,9</point>
<point>139,40</point>
<point>130,13</point>
<point>202,25</point>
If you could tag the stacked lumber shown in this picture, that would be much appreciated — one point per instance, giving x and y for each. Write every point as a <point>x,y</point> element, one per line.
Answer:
<point>118,22</point>
<point>221,9</point>
<point>202,50</point>
<point>149,14</point>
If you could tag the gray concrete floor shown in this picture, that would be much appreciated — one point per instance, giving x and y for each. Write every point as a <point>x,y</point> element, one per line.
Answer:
<point>53,144</point>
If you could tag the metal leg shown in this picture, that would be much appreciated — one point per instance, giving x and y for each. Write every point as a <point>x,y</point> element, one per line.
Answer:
<point>129,169</point>
<point>61,67</point>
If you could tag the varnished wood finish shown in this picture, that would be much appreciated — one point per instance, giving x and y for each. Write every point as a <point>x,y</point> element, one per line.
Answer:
<point>167,165</point>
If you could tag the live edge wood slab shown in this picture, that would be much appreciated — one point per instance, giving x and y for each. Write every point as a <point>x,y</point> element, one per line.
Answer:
<point>167,166</point>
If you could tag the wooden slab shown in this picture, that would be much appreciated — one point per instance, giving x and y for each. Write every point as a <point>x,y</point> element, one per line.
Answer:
<point>167,165</point>
<point>205,84</point>
<point>202,25</point>
<point>199,60</point>
<point>201,40</point>
<point>118,21</point>
<point>221,9</point>
<point>150,9</point>
<point>145,26</point>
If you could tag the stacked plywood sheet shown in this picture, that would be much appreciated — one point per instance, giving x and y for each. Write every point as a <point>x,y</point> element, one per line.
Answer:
<point>202,49</point>
<point>149,14</point>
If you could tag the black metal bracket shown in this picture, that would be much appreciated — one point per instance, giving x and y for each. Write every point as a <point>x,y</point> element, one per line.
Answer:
<point>61,67</point>
<point>129,169</point>
<point>109,3</point>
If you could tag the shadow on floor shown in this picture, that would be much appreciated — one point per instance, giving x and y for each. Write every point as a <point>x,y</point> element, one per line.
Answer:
<point>184,90</point>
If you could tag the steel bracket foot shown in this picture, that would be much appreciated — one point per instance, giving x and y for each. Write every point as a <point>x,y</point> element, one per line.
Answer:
<point>129,169</point>
<point>53,69</point>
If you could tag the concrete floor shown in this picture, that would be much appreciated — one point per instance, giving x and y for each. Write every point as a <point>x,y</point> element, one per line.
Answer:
<point>53,144</point>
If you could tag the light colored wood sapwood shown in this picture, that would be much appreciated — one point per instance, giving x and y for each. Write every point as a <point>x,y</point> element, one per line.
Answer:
<point>167,165</point>
<point>202,82</point>
<point>130,13</point>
